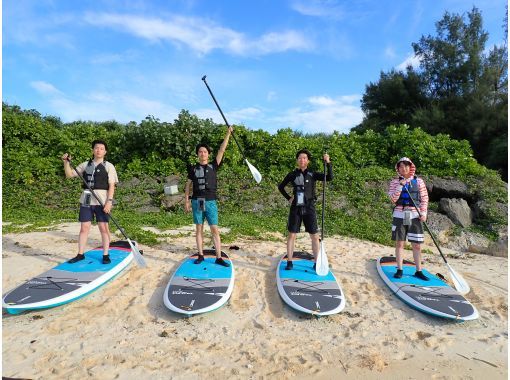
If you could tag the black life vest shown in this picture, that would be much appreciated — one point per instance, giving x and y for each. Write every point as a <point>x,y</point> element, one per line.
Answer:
<point>305,183</point>
<point>96,176</point>
<point>204,180</point>
<point>414,189</point>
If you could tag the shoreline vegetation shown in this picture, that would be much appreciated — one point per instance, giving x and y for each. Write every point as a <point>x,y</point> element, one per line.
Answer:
<point>35,193</point>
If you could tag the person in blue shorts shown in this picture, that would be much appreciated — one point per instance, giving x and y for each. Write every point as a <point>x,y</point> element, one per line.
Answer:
<point>202,178</point>
<point>101,176</point>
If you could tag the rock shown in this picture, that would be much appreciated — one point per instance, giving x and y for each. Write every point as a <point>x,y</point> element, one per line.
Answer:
<point>258,207</point>
<point>152,192</point>
<point>447,187</point>
<point>146,209</point>
<point>483,210</point>
<point>440,225</point>
<point>132,200</point>
<point>469,241</point>
<point>457,210</point>
<point>172,180</point>
<point>133,182</point>
<point>498,248</point>
<point>170,202</point>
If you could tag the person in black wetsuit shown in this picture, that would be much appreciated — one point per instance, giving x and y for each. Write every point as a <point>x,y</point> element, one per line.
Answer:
<point>302,201</point>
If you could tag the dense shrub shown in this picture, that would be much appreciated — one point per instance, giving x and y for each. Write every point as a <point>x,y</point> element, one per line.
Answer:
<point>34,186</point>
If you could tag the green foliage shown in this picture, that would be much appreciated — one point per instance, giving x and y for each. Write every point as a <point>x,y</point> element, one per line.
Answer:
<point>35,191</point>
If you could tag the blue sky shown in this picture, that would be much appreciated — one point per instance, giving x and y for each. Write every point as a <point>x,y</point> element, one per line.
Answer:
<point>271,64</point>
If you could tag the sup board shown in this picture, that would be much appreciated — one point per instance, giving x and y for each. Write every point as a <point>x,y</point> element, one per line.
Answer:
<point>67,282</point>
<point>303,290</point>
<point>434,297</point>
<point>199,288</point>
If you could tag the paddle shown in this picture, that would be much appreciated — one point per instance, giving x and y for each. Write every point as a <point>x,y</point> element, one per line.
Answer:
<point>460,284</point>
<point>254,172</point>
<point>136,253</point>
<point>322,265</point>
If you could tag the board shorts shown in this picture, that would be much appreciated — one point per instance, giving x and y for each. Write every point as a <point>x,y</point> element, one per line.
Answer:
<point>308,217</point>
<point>210,214</point>
<point>87,214</point>
<point>413,233</point>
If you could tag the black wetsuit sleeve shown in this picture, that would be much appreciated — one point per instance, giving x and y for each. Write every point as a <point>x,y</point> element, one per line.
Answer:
<point>281,186</point>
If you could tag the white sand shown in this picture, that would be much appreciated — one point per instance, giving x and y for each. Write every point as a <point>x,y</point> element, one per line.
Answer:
<point>123,330</point>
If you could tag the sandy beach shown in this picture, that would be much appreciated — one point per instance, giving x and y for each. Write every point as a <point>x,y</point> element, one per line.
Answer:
<point>124,331</point>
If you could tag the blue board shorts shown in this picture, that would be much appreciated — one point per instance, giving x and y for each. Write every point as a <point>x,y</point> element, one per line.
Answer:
<point>210,213</point>
<point>87,214</point>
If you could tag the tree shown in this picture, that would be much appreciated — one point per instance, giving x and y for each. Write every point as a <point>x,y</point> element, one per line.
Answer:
<point>459,89</point>
<point>392,100</point>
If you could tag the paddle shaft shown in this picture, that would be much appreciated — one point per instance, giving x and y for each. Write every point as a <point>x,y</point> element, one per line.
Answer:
<point>99,200</point>
<point>224,118</point>
<point>323,201</point>
<point>426,226</point>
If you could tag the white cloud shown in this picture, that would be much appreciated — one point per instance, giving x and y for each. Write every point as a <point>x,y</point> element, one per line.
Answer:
<point>389,52</point>
<point>240,116</point>
<point>24,24</point>
<point>245,114</point>
<point>271,95</point>
<point>107,59</point>
<point>45,88</point>
<point>323,114</point>
<point>411,60</point>
<point>319,8</point>
<point>321,101</point>
<point>202,35</point>
<point>100,106</point>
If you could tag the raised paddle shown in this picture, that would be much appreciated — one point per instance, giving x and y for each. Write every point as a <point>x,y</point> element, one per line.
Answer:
<point>140,261</point>
<point>254,172</point>
<point>460,284</point>
<point>322,265</point>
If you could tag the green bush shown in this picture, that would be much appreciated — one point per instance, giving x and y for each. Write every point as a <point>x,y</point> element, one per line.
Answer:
<point>35,191</point>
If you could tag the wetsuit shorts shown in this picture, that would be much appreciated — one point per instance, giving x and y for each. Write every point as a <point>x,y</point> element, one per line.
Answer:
<point>306,215</point>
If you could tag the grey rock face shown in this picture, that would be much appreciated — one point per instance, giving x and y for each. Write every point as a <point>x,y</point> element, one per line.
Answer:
<point>457,210</point>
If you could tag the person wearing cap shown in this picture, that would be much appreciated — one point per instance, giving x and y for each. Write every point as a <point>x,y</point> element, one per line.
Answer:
<point>406,219</point>
<point>203,182</point>
<point>302,202</point>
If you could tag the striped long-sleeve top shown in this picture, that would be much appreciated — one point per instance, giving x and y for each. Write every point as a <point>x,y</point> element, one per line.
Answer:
<point>396,189</point>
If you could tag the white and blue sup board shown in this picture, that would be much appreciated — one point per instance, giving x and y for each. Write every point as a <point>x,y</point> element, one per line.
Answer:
<point>434,297</point>
<point>67,282</point>
<point>305,291</point>
<point>199,288</point>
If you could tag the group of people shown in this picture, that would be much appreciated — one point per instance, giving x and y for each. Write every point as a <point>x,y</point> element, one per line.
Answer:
<point>406,191</point>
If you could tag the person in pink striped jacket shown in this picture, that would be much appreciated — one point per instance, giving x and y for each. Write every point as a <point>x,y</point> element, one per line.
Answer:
<point>406,220</point>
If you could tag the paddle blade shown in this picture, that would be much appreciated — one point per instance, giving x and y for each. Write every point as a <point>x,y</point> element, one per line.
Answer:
<point>140,261</point>
<point>460,284</point>
<point>322,265</point>
<point>254,172</point>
